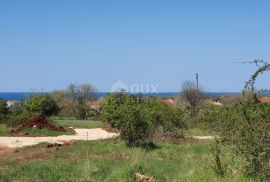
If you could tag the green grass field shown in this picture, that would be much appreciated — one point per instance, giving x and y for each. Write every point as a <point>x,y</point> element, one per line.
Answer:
<point>36,131</point>
<point>79,123</point>
<point>112,161</point>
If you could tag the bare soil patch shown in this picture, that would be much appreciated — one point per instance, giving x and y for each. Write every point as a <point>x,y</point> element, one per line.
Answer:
<point>6,150</point>
<point>39,121</point>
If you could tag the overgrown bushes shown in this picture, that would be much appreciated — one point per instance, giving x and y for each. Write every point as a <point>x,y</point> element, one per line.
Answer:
<point>136,129</point>
<point>244,127</point>
<point>42,104</point>
<point>138,118</point>
<point>3,110</point>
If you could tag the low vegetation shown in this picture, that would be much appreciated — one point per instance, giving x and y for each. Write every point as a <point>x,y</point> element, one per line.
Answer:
<point>45,132</point>
<point>139,119</point>
<point>79,123</point>
<point>112,160</point>
<point>3,130</point>
<point>152,143</point>
<point>244,128</point>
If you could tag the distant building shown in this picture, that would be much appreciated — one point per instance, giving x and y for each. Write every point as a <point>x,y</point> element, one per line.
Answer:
<point>211,102</point>
<point>264,99</point>
<point>12,103</point>
<point>169,102</point>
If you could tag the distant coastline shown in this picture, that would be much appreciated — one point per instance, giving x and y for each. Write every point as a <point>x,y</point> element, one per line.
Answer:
<point>23,95</point>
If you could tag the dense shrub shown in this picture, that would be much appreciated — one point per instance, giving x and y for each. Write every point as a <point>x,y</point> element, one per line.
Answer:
<point>244,127</point>
<point>3,110</point>
<point>138,118</point>
<point>110,106</point>
<point>163,115</point>
<point>134,127</point>
<point>42,104</point>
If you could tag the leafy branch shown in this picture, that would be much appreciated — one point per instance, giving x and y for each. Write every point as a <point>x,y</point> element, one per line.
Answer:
<point>262,67</point>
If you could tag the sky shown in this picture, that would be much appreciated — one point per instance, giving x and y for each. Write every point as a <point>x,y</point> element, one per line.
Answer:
<point>46,45</point>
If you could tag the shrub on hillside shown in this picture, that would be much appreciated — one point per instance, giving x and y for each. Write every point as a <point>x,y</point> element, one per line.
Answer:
<point>244,127</point>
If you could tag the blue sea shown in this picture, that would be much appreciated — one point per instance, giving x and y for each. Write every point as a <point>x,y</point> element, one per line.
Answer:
<point>23,95</point>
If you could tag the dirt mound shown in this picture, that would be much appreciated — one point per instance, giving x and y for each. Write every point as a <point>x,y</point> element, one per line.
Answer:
<point>39,121</point>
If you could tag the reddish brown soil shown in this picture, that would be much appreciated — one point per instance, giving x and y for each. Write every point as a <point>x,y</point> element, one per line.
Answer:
<point>39,121</point>
<point>5,150</point>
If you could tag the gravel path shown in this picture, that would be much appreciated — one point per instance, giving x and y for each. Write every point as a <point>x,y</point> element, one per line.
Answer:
<point>204,137</point>
<point>82,134</point>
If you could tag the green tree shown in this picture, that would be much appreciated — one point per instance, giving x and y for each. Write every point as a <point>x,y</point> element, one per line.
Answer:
<point>42,104</point>
<point>3,110</point>
<point>63,102</point>
<point>110,106</point>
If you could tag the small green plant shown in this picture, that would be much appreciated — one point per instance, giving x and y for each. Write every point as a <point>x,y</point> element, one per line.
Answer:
<point>218,166</point>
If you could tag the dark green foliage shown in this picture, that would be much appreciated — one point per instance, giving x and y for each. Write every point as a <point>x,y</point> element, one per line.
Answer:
<point>3,110</point>
<point>42,104</point>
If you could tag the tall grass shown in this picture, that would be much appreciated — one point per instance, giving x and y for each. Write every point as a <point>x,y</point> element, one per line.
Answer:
<point>3,130</point>
<point>112,161</point>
